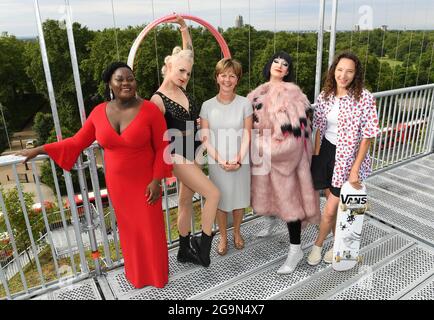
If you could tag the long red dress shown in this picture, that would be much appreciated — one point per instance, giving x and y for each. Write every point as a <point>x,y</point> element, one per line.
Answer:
<point>133,158</point>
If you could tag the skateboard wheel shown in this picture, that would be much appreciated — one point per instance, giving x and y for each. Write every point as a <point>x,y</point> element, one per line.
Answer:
<point>343,207</point>
<point>359,259</point>
<point>338,258</point>
<point>368,206</point>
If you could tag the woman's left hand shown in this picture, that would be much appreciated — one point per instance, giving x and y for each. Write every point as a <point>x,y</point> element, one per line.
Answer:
<point>153,191</point>
<point>237,160</point>
<point>179,20</point>
<point>354,180</point>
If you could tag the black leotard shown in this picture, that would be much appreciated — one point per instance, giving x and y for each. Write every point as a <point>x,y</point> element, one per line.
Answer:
<point>177,117</point>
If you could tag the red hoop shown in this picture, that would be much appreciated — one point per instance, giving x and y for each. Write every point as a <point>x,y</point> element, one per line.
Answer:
<point>149,27</point>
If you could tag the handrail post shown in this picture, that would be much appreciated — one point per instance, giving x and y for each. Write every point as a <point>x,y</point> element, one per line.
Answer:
<point>319,49</point>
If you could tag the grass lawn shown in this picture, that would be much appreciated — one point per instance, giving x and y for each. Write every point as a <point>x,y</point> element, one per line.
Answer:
<point>391,62</point>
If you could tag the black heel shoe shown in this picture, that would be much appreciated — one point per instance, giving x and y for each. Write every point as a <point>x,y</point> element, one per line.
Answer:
<point>203,248</point>
<point>186,252</point>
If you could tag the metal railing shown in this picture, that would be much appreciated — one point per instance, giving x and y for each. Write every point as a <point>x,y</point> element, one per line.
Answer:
<point>24,224</point>
<point>66,232</point>
<point>406,125</point>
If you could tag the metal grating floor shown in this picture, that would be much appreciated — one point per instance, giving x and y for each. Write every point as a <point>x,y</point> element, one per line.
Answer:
<point>403,198</point>
<point>397,249</point>
<point>84,290</point>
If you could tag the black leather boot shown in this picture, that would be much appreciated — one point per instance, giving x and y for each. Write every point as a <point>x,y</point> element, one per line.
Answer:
<point>186,252</point>
<point>203,247</point>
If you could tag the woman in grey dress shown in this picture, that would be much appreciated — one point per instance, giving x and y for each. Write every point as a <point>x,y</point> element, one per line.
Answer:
<point>226,123</point>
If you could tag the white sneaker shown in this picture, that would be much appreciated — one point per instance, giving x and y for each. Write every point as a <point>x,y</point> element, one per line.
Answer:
<point>315,256</point>
<point>295,255</point>
<point>328,257</point>
<point>270,223</point>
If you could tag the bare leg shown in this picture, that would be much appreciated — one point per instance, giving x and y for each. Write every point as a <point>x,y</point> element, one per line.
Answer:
<point>328,219</point>
<point>238,218</point>
<point>327,193</point>
<point>222,224</point>
<point>192,176</point>
<point>185,209</point>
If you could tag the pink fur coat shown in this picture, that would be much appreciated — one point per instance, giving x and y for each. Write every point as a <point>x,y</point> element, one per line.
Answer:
<point>281,152</point>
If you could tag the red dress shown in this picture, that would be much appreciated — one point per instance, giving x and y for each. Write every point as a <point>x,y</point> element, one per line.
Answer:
<point>133,158</point>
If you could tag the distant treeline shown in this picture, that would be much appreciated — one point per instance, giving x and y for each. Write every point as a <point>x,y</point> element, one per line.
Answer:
<point>392,59</point>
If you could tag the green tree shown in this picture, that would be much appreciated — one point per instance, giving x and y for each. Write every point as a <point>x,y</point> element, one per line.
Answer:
<point>43,124</point>
<point>12,72</point>
<point>61,68</point>
<point>17,91</point>
<point>17,219</point>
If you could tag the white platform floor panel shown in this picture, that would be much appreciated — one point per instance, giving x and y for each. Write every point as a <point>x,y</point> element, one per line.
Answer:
<point>403,197</point>
<point>83,290</point>
<point>394,266</point>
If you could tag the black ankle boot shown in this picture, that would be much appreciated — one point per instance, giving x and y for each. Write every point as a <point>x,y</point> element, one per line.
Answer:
<point>203,247</point>
<point>186,252</point>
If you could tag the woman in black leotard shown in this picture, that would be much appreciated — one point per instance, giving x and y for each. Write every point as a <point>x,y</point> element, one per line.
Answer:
<point>181,115</point>
<point>182,125</point>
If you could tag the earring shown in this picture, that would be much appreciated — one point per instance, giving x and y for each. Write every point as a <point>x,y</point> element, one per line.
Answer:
<point>111,94</point>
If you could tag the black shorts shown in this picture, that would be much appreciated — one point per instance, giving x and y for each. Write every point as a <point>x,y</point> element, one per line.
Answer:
<point>322,168</point>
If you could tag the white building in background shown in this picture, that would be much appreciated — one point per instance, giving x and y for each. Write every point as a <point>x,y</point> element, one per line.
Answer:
<point>239,21</point>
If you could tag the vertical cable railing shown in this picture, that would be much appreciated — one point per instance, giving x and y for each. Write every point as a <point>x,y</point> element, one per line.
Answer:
<point>429,138</point>
<point>63,218</point>
<point>40,264</point>
<point>404,131</point>
<point>44,215</point>
<point>28,226</point>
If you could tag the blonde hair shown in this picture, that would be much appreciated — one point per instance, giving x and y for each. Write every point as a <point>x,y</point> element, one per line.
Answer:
<point>228,63</point>
<point>177,53</point>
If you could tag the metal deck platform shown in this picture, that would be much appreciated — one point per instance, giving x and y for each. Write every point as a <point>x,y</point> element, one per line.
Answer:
<point>397,249</point>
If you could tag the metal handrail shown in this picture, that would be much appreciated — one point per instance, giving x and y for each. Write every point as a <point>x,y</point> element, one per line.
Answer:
<point>386,93</point>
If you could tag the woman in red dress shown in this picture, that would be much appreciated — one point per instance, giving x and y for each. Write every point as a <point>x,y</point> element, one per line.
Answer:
<point>131,131</point>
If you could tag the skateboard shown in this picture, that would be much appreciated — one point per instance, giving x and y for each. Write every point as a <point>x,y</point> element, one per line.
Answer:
<point>349,222</point>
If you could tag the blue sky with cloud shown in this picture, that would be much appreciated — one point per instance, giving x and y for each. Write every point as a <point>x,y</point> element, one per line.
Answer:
<point>18,16</point>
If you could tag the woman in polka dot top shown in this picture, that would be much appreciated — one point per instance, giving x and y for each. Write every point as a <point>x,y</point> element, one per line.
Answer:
<point>346,122</point>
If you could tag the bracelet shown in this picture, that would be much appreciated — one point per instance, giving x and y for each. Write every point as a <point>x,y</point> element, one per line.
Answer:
<point>183,28</point>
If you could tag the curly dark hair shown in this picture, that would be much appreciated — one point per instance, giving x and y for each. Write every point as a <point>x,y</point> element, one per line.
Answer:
<point>356,86</point>
<point>285,56</point>
<point>107,75</point>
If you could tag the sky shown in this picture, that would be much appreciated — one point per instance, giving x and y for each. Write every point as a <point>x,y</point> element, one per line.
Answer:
<point>17,17</point>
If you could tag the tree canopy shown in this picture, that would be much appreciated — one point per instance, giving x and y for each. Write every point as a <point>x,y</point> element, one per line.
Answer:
<point>391,59</point>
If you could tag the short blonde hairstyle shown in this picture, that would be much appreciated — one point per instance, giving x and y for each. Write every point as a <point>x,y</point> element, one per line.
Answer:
<point>228,63</point>
<point>177,53</point>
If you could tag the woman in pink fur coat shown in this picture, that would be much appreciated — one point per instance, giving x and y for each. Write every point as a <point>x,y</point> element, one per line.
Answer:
<point>281,153</point>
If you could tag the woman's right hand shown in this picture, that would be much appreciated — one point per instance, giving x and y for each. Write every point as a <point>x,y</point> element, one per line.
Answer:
<point>30,153</point>
<point>230,166</point>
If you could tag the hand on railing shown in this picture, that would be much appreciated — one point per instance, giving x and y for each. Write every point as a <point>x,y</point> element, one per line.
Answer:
<point>30,153</point>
